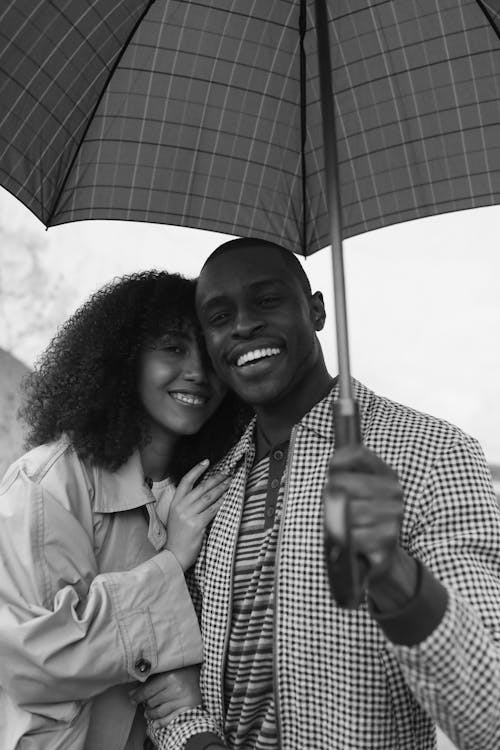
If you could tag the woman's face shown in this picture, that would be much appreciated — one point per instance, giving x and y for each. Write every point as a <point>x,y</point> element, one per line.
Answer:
<point>177,387</point>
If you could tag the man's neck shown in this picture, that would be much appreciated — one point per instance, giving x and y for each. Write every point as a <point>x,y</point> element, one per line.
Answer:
<point>275,420</point>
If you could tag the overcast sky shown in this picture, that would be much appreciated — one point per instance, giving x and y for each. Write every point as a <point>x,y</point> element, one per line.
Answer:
<point>423,300</point>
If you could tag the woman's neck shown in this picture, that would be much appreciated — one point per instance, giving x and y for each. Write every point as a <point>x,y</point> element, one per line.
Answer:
<point>156,456</point>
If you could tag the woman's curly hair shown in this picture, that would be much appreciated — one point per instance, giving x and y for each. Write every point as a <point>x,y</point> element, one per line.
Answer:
<point>85,384</point>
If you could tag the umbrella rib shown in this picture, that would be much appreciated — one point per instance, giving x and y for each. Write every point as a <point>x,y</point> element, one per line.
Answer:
<point>489,16</point>
<point>91,118</point>
<point>303,123</point>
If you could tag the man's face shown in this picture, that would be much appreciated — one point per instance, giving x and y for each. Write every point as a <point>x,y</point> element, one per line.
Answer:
<point>259,323</point>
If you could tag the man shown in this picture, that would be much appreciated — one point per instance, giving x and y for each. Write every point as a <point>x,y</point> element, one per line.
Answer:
<point>284,666</point>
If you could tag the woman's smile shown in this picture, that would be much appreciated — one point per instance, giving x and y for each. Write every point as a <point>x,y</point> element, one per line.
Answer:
<point>189,399</point>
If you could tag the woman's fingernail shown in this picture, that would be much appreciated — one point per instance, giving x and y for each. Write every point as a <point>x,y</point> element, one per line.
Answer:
<point>205,462</point>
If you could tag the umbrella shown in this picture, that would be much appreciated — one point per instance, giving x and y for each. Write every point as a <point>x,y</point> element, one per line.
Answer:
<point>219,114</point>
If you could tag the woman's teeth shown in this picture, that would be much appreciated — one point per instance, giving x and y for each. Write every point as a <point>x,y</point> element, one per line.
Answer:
<point>256,354</point>
<point>189,398</point>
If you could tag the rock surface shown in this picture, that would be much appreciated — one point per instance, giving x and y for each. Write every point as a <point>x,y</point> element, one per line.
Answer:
<point>12,371</point>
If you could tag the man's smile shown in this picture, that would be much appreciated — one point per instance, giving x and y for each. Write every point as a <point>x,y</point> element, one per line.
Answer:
<point>256,355</point>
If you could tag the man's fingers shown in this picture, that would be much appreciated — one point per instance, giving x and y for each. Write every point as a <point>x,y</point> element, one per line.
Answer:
<point>163,721</point>
<point>183,693</point>
<point>375,511</point>
<point>335,516</point>
<point>156,699</point>
<point>170,684</point>
<point>166,710</point>
<point>358,458</point>
<point>153,687</point>
<point>363,485</point>
<point>379,546</point>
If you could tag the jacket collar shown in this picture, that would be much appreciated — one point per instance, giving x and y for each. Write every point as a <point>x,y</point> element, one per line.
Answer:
<point>123,489</point>
<point>319,420</point>
<point>238,452</point>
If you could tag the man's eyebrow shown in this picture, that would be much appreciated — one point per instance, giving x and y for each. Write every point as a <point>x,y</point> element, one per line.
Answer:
<point>254,286</point>
<point>271,281</point>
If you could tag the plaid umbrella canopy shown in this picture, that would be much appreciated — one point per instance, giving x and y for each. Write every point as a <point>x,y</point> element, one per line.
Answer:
<point>219,115</point>
<point>207,114</point>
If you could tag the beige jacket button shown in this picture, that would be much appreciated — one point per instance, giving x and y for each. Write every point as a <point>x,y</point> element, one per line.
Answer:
<point>142,665</point>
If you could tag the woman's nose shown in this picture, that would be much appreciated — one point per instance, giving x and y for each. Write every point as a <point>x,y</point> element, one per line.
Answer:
<point>195,369</point>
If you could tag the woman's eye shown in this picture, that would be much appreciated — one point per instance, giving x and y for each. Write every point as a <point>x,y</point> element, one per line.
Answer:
<point>218,318</point>
<point>171,349</point>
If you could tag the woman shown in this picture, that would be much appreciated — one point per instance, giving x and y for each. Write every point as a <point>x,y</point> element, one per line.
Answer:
<point>92,590</point>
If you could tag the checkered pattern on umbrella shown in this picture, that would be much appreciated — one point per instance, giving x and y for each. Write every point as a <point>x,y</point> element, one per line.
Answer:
<point>340,685</point>
<point>193,113</point>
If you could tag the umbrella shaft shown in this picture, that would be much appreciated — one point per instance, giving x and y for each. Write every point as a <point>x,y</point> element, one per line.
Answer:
<point>333,198</point>
<point>345,383</point>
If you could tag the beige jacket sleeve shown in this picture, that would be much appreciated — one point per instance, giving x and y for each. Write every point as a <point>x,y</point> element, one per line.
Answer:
<point>68,633</point>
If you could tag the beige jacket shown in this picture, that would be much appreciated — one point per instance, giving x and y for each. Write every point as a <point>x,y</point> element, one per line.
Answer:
<point>89,604</point>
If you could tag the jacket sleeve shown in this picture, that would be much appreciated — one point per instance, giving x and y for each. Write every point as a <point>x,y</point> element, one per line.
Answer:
<point>68,633</point>
<point>193,729</point>
<point>455,671</point>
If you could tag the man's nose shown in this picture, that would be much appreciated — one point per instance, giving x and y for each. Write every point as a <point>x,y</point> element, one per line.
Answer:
<point>247,324</point>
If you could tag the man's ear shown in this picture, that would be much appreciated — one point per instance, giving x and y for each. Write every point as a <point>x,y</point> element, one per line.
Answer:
<point>318,313</point>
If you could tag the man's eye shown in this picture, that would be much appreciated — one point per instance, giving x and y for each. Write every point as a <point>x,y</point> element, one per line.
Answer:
<point>270,300</point>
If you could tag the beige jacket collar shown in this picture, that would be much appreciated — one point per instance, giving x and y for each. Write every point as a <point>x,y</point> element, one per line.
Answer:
<point>123,489</point>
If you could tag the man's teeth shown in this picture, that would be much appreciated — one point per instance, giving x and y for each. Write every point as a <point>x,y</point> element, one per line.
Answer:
<point>189,398</point>
<point>255,355</point>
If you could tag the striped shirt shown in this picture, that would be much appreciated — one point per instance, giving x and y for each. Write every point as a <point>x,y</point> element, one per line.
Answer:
<point>250,717</point>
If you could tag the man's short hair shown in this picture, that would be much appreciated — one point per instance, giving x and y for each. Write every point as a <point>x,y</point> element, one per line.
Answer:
<point>245,242</point>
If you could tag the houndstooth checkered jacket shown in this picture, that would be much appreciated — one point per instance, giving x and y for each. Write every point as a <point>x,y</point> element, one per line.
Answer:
<point>339,683</point>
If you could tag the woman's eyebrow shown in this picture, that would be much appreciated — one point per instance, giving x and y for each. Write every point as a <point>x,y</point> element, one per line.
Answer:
<point>173,334</point>
<point>218,299</point>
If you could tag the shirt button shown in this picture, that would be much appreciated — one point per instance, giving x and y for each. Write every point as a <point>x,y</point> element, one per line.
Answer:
<point>270,511</point>
<point>275,483</point>
<point>278,455</point>
<point>142,665</point>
